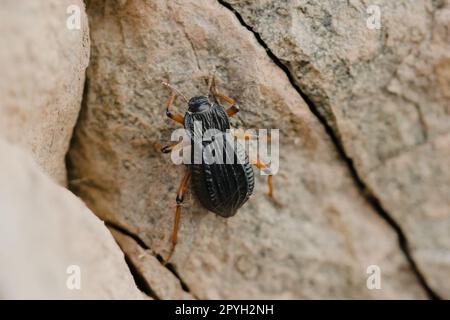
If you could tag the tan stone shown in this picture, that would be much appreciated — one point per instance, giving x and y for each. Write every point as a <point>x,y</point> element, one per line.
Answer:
<point>318,247</point>
<point>42,64</point>
<point>162,283</point>
<point>386,93</point>
<point>44,230</point>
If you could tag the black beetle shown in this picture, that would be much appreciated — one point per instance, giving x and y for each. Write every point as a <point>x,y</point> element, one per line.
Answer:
<point>220,187</point>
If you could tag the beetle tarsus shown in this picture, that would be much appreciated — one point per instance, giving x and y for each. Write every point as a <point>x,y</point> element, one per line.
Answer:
<point>234,107</point>
<point>167,149</point>
<point>275,201</point>
<point>174,116</point>
<point>231,111</point>
<point>262,166</point>
<point>174,233</point>
<point>179,200</point>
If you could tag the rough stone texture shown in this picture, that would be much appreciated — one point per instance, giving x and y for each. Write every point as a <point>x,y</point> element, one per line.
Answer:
<point>386,94</point>
<point>317,247</point>
<point>42,64</point>
<point>45,229</point>
<point>161,283</point>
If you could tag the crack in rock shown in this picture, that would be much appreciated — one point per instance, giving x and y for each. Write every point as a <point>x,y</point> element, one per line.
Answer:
<point>365,191</point>
<point>141,280</point>
<point>210,271</point>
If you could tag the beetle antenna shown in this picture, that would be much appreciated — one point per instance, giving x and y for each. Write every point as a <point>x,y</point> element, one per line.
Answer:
<point>176,90</point>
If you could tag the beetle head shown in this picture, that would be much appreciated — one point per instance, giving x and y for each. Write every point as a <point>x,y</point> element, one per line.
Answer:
<point>199,104</point>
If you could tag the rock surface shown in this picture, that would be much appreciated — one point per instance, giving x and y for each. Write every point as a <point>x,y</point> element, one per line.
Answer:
<point>158,280</point>
<point>43,65</point>
<point>318,247</point>
<point>44,230</point>
<point>386,94</point>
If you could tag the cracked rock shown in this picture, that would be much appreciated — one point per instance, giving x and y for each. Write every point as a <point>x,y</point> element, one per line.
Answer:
<point>386,94</point>
<point>161,283</point>
<point>320,246</point>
